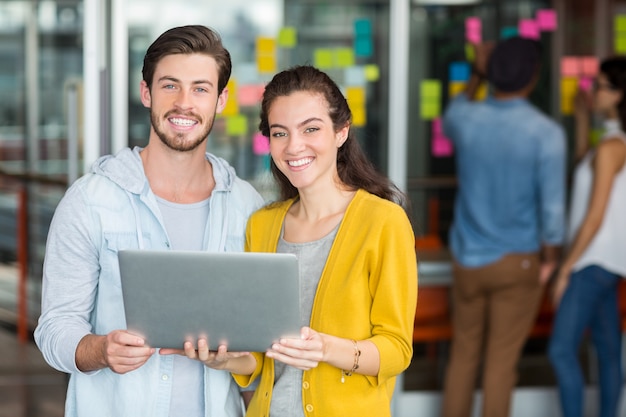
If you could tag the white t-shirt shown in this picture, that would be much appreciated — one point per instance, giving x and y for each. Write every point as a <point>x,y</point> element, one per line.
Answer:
<point>608,247</point>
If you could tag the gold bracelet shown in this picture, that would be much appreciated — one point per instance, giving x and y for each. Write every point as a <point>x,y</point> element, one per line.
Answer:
<point>355,365</point>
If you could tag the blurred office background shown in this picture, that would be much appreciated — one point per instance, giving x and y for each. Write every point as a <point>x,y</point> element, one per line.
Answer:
<point>69,92</point>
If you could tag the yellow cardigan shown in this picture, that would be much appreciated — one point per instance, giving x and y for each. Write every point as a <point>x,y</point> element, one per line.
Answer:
<point>368,290</point>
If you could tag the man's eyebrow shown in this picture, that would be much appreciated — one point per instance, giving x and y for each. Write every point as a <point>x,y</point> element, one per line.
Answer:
<point>176,80</point>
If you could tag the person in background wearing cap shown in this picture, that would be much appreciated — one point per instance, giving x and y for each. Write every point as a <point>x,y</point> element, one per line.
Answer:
<point>508,223</point>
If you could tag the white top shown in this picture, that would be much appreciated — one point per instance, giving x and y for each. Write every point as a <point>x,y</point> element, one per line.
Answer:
<point>608,247</point>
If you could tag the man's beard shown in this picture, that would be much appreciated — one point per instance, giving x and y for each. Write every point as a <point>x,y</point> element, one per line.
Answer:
<point>178,141</point>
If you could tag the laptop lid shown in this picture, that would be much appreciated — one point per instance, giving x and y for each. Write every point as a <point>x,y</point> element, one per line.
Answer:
<point>246,300</point>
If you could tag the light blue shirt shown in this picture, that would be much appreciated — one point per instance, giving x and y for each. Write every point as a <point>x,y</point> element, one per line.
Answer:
<point>110,209</point>
<point>511,166</point>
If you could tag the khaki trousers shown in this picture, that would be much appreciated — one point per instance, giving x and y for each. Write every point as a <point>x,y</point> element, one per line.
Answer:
<point>493,309</point>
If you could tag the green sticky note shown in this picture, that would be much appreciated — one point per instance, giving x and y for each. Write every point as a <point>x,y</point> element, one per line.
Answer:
<point>430,110</point>
<point>619,24</point>
<point>430,90</point>
<point>237,125</point>
<point>344,57</point>
<point>323,58</point>
<point>470,53</point>
<point>287,37</point>
<point>372,72</point>
<point>620,44</point>
<point>362,28</point>
<point>594,136</point>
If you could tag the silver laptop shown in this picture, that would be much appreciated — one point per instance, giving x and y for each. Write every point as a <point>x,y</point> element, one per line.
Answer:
<point>245,300</point>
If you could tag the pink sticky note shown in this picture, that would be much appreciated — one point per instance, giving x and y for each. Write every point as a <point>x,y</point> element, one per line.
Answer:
<point>437,128</point>
<point>528,28</point>
<point>589,66</point>
<point>585,83</point>
<point>250,95</point>
<point>473,30</point>
<point>441,146</point>
<point>570,66</point>
<point>546,20</point>
<point>260,144</point>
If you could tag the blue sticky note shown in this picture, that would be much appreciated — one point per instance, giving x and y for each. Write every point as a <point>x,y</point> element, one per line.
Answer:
<point>363,47</point>
<point>362,27</point>
<point>459,71</point>
<point>508,32</point>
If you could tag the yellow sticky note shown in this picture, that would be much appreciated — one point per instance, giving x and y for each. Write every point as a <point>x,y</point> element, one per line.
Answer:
<point>232,107</point>
<point>372,72</point>
<point>569,87</point>
<point>455,87</point>
<point>237,125</point>
<point>355,96</point>
<point>344,57</point>
<point>430,110</point>
<point>287,37</point>
<point>481,92</point>
<point>266,64</point>
<point>359,117</point>
<point>323,58</point>
<point>265,46</point>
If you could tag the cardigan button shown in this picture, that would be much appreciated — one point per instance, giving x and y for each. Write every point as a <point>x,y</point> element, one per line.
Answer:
<point>305,385</point>
<point>309,408</point>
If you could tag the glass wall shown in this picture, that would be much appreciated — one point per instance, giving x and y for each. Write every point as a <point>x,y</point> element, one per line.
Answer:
<point>347,40</point>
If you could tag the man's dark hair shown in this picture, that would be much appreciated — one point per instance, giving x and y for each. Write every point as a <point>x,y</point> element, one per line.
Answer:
<point>513,64</point>
<point>191,39</point>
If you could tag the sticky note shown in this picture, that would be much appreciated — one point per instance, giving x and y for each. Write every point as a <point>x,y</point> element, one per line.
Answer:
<point>508,32</point>
<point>266,64</point>
<point>569,88</point>
<point>441,147</point>
<point>362,28</point>
<point>459,71</point>
<point>260,144</point>
<point>355,96</point>
<point>546,20</point>
<point>372,72</point>
<point>344,57</point>
<point>323,58</point>
<point>528,28</point>
<point>430,109</point>
<point>455,87</point>
<point>287,37</point>
<point>363,47</point>
<point>473,30</point>
<point>250,95</point>
<point>430,89</point>
<point>437,126</point>
<point>232,107</point>
<point>265,46</point>
<point>585,84</point>
<point>589,66</point>
<point>359,116</point>
<point>237,125</point>
<point>470,52</point>
<point>570,66</point>
<point>481,91</point>
<point>620,44</point>
<point>619,24</point>
<point>355,76</point>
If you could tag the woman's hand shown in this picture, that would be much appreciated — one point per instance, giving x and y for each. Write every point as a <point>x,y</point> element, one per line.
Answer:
<point>560,284</point>
<point>304,353</point>
<point>220,359</point>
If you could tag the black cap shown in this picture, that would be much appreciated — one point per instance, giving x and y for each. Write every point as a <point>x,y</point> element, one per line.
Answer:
<point>513,64</point>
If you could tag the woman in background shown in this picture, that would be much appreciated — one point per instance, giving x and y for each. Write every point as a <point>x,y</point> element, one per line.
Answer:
<point>356,251</point>
<point>586,287</point>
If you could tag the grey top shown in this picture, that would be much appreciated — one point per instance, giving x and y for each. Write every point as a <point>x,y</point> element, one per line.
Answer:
<point>185,225</point>
<point>287,394</point>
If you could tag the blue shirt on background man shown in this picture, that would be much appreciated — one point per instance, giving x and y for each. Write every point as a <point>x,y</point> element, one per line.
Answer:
<point>511,169</point>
